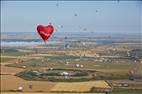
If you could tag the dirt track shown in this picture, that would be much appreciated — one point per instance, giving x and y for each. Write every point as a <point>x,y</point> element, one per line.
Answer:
<point>45,93</point>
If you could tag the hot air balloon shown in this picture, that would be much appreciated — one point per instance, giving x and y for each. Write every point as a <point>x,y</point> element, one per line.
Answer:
<point>45,32</point>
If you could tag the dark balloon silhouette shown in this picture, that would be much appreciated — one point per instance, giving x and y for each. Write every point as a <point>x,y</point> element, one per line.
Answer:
<point>75,14</point>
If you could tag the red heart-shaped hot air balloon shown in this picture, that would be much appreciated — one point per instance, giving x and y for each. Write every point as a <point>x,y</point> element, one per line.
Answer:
<point>45,31</point>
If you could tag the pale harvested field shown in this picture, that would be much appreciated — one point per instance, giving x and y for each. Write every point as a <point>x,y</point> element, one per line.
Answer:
<point>10,82</point>
<point>80,86</point>
<point>9,70</point>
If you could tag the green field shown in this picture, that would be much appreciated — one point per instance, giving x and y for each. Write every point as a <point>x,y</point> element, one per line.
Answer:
<point>12,52</point>
<point>87,62</point>
<point>5,59</point>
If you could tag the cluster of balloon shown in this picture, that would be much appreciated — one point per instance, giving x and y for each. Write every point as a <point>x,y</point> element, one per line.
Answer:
<point>45,32</point>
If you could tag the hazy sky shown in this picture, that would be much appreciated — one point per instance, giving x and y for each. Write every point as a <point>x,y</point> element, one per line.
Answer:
<point>74,16</point>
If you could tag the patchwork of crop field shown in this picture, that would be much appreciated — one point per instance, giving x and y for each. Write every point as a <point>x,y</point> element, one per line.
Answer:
<point>11,83</point>
<point>101,68</point>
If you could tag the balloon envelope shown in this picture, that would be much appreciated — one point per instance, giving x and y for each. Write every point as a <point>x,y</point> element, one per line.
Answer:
<point>45,31</point>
